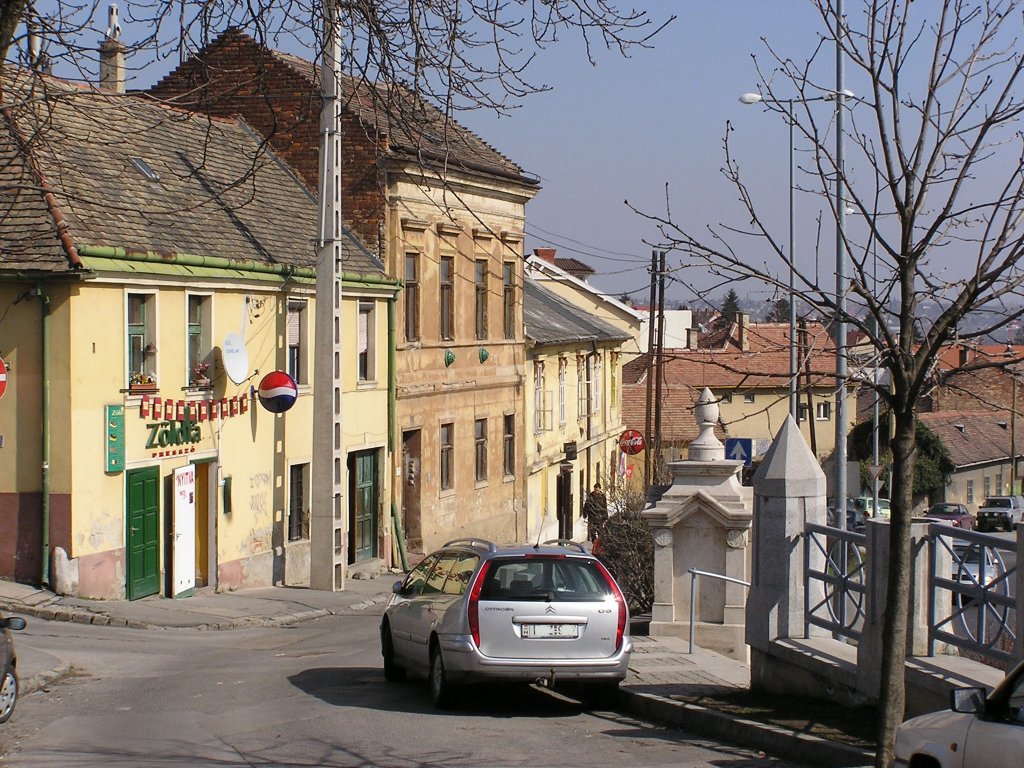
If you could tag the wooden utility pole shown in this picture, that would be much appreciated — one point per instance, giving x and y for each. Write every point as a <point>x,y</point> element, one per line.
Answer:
<point>656,453</point>
<point>649,450</point>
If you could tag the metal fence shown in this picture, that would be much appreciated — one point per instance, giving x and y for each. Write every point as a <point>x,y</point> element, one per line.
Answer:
<point>838,605</point>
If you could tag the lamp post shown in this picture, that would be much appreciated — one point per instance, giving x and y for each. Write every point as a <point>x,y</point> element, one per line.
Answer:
<point>756,98</point>
<point>840,97</point>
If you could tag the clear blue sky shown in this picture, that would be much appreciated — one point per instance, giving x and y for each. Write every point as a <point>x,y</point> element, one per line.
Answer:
<point>627,127</point>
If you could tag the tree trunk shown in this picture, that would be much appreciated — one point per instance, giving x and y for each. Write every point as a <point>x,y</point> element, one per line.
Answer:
<point>897,593</point>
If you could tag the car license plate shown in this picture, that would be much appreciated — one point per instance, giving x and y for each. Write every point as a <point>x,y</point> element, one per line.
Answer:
<point>534,631</point>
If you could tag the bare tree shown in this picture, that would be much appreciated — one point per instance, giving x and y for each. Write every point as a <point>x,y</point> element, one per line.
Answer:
<point>936,185</point>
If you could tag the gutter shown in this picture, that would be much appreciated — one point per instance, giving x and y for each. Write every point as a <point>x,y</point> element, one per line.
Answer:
<point>44,418</point>
<point>220,262</point>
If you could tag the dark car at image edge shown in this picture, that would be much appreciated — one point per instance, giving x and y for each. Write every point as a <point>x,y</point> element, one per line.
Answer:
<point>8,666</point>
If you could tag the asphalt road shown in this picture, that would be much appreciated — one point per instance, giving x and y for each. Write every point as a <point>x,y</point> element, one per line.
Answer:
<point>308,695</point>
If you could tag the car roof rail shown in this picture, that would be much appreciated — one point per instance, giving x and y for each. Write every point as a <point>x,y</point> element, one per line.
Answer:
<point>490,546</point>
<point>565,543</point>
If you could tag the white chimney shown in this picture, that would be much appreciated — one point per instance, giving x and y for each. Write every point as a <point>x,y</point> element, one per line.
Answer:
<point>112,55</point>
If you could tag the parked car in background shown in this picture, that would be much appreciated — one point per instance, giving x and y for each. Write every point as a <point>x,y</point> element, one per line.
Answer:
<point>956,515</point>
<point>476,612</point>
<point>978,731</point>
<point>8,666</point>
<point>866,506</point>
<point>854,519</point>
<point>1000,513</point>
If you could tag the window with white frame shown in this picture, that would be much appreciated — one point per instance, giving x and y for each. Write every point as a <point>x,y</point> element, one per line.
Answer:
<point>613,397</point>
<point>581,387</point>
<point>970,491</point>
<point>725,397</point>
<point>562,365</point>
<point>141,339</point>
<point>987,482</point>
<point>749,397</point>
<point>595,384</point>
<point>538,396</point>
<point>508,440</point>
<point>367,334</point>
<point>801,413</point>
<point>197,333</point>
<point>823,411</point>
<point>297,334</point>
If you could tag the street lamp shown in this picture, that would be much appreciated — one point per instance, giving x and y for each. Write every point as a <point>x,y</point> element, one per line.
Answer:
<point>756,98</point>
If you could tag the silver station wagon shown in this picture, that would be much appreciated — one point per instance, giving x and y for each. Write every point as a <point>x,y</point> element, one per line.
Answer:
<point>475,612</point>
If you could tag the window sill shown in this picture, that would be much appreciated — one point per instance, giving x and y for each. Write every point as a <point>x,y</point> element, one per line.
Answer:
<point>446,493</point>
<point>480,484</point>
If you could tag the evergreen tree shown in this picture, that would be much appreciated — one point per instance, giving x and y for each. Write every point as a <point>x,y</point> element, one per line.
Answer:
<point>730,307</point>
<point>779,313</point>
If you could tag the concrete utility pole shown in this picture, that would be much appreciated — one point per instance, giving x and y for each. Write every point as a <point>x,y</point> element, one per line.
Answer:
<point>840,447</point>
<point>328,544</point>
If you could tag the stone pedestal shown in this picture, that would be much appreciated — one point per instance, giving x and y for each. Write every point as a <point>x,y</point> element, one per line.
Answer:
<point>702,522</point>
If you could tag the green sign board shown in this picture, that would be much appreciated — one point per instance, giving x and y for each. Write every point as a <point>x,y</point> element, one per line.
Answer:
<point>114,426</point>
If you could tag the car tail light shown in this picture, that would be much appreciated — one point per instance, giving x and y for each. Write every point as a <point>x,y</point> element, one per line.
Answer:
<point>474,604</point>
<point>620,630</point>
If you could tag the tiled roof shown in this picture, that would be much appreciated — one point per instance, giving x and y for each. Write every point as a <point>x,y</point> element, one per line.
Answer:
<point>956,355</point>
<point>551,319</point>
<point>677,403</point>
<point>574,267</point>
<point>972,437</point>
<point>220,193</point>
<point>413,126</point>
<point>721,362</point>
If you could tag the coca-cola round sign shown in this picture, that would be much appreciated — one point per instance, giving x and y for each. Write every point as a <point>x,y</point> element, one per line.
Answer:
<point>631,442</point>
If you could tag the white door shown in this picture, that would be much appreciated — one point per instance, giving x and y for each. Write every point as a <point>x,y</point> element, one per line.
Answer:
<point>184,532</point>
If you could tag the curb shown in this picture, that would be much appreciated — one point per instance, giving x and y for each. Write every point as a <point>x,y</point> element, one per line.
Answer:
<point>775,741</point>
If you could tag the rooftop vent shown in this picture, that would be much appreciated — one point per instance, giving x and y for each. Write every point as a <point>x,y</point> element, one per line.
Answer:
<point>959,427</point>
<point>143,167</point>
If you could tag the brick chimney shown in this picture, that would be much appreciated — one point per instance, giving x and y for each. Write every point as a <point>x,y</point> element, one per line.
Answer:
<point>112,55</point>
<point>548,254</point>
<point>743,330</point>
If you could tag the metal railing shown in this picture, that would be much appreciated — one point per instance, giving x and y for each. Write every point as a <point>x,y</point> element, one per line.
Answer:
<point>970,604</point>
<point>842,580</point>
<point>694,573</point>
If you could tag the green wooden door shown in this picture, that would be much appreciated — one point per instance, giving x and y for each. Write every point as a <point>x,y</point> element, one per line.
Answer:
<point>364,505</point>
<point>143,536</point>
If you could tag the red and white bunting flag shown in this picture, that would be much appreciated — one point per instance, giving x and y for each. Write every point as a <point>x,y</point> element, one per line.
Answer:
<point>201,410</point>
<point>180,416</point>
<point>234,406</point>
<point>144,408</point>
<point>224,411</point>
<point>158,408</point>
<point>244,403</point>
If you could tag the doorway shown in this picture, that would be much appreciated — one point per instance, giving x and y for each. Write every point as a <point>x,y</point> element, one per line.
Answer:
<point>563,501</point>
<point>206,563</point>
<point>142,518</point>
<point>364,504</point>
<point>411,454</point>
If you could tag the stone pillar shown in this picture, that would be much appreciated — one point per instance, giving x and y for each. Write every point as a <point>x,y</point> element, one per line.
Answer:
<point>789,492</point>
<point>869,649</point>
<point>701,522</point>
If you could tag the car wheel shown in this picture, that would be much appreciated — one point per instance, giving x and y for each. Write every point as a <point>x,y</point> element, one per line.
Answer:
<point>8,695</point>
<point>442,692</point>
<point>603,695</point>
<point>392,672</point>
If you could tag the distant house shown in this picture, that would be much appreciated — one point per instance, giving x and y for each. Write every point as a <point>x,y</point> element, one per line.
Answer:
<point>746,366</point>
<point>980,444</point>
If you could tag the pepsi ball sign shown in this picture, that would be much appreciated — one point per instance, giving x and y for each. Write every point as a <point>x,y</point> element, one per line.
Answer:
<point>277,392</point>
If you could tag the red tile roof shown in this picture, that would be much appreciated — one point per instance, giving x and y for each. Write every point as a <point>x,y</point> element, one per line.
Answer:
<point>972,437</point>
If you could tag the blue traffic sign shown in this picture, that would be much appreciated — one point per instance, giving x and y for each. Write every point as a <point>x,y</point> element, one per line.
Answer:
<point>739,449</point>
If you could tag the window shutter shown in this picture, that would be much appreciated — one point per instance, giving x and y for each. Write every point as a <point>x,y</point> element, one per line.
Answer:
<point>363,317</point>
<point>294,326</point>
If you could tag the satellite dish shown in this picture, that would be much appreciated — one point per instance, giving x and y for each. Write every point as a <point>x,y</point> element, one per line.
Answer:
<point>235,357</point>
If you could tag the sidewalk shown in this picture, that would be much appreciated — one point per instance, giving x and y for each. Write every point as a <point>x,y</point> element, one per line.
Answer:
<point>661,672</point>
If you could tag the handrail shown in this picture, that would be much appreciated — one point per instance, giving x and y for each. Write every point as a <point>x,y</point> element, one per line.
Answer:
<point>694,573</point>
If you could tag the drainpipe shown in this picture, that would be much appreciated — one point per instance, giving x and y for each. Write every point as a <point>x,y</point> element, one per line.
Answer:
<point>44,303</point>
<point>396,520</point>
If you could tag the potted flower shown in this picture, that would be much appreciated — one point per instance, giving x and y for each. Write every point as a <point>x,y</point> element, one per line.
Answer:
<point>199,375</point>
<point>141,381</point>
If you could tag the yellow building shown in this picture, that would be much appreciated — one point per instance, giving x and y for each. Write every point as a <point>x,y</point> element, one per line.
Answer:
<point>445,214</point>
<point>573,410</point>
<point>156,267</point>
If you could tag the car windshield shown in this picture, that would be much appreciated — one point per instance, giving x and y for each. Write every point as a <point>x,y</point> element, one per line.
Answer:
<point>997,502</point>
<point>544,578</point>
<point>945,509</point>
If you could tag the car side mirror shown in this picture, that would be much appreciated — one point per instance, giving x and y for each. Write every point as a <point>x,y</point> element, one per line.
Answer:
<point>12,622</point>
<point>397,587</point>
<point>970,701</point>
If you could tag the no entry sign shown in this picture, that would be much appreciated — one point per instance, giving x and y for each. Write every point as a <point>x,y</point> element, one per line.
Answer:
<point>3,377</point>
